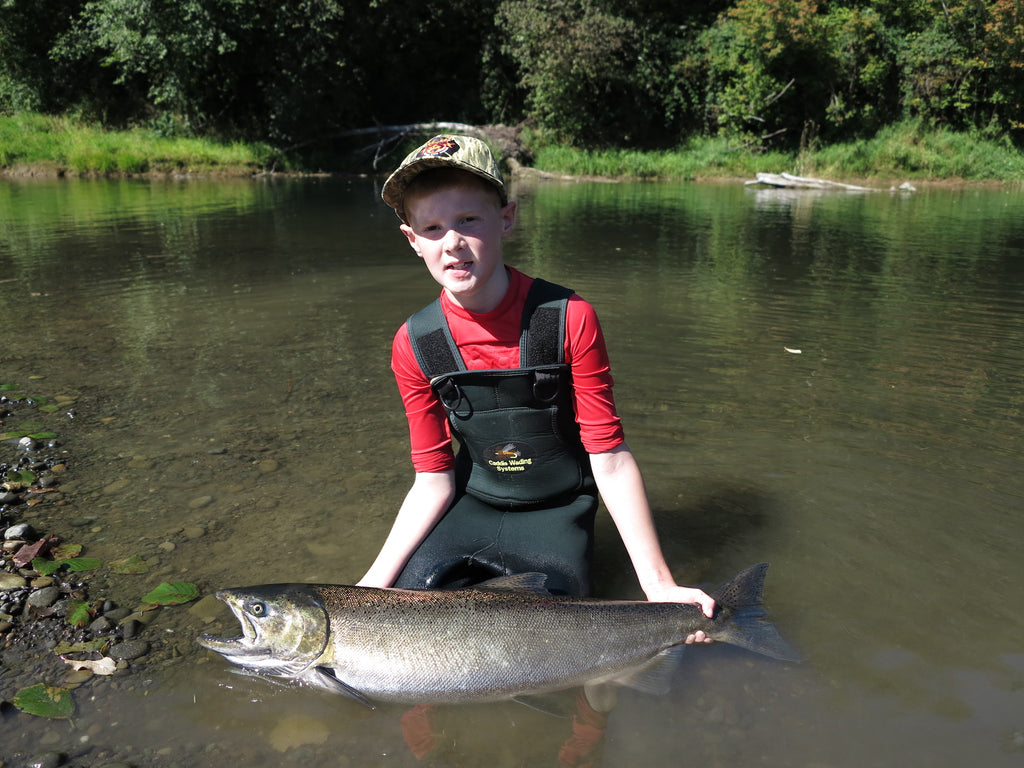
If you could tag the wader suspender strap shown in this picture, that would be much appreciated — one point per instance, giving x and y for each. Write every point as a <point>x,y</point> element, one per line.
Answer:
<point>541,343</point>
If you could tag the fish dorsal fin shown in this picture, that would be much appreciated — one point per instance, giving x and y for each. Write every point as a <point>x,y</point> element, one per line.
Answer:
<point>655,677</point>
<point>325,678</point>
<point>517,582</point>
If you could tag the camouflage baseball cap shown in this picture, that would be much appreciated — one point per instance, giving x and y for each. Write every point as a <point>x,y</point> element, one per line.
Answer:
<point>462,152</point>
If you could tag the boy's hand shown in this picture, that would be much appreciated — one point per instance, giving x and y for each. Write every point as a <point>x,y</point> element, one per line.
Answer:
<point>691,596</point>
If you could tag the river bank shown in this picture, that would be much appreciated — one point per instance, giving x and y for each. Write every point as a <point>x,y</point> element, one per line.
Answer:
<point>39,146</point>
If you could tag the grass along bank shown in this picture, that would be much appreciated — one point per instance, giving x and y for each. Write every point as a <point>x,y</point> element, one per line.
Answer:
<point>41,144</point>
<point>33,143</point>
<point>901,152</point>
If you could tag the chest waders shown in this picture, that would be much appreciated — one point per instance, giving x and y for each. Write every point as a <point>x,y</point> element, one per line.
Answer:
<point>525,497</point>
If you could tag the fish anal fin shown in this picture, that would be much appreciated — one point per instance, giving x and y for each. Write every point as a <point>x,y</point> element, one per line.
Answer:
<point>324,677</point>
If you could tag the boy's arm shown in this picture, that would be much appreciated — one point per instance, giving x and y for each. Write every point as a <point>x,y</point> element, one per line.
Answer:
<point>425,504</point>
<point>622,489</point>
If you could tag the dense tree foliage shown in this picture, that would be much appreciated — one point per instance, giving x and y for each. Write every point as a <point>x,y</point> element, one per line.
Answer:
<point>596,72</point>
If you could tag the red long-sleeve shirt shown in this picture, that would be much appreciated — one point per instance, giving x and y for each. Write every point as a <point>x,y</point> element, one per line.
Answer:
<point>491,340</point>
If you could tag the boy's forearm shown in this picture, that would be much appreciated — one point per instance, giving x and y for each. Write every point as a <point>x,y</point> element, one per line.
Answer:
<point>424,504</point>
<point>622,488</point>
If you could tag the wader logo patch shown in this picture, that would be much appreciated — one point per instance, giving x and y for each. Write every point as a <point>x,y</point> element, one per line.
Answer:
<point>509,457</point>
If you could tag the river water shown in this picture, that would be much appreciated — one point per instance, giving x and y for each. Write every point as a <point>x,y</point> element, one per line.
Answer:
<point>833,383</point>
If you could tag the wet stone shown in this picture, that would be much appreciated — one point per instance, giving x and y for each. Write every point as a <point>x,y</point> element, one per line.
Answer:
<point>140,462</point>
<point>194,532</point>
<point>20,531</point>
<point>130,629</point>
<point>11,581</point>
<point>267,466</point>
<point>60,608</point>
<point>117,614</point>
<point>117,486</point>
<point>44,598</point>
<point>102,624</point>
<point>128,650</point>
<point>199,502</point>
<point>46,760</point>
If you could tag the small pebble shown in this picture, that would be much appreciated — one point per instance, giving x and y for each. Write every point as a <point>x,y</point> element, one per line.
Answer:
<point>267,466</point>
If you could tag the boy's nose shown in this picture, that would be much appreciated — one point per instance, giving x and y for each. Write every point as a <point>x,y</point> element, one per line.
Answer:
<point>453,241</point>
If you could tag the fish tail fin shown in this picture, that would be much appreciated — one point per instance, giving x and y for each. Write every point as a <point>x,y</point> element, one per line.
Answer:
<point>746,624</point>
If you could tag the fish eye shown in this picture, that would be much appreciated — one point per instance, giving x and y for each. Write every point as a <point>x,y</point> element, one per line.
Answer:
<point>257,608</point>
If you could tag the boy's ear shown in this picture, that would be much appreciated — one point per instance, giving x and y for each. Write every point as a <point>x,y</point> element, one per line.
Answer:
<point>508,217</point>
<point>410,235</point>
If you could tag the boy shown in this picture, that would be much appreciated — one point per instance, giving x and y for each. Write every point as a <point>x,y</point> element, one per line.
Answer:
<point>517,369</point>
<point>521,493</point>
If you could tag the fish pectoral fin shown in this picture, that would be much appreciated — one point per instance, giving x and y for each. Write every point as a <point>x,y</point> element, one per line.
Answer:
<point>517,582</point>
<point>556,704</point>
<point>324,677</point>
<point>654,677</point>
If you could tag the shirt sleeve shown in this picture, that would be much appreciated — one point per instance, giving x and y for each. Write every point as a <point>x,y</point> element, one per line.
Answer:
<point>600,425</point>
<point>429,436</point>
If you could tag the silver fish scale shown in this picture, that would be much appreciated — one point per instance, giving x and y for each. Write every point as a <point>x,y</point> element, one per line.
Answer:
<point>476,644</point>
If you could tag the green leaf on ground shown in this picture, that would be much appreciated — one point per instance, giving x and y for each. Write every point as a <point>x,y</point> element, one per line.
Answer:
<point>96,645</point>
<point>66,551</point>
<point>133,564</point>
<point>78,613</point>
<point>45,701</point>
<point>77,564</point>
<point>45,567</point>
<point>172,593</point>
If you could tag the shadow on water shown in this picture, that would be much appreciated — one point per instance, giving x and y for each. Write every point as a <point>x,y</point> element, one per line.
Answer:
<point>831,384</point>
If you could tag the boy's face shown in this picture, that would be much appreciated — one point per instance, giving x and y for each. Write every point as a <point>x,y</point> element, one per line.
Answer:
<point>457,231</point>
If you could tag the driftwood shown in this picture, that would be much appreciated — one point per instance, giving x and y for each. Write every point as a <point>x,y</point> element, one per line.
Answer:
<point>789,181</point>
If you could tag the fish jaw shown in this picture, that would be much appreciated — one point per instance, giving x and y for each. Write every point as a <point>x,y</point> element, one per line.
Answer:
<point>246,644</point>
<point>284,629</point>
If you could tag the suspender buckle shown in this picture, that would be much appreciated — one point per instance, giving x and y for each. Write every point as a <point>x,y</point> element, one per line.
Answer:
<point>449,394</point>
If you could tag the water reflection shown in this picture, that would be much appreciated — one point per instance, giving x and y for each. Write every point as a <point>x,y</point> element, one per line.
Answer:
<point>229,342</point>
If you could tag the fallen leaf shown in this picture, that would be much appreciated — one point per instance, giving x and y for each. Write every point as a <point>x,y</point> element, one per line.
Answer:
<point>29,552</point>
<point>104,666</point>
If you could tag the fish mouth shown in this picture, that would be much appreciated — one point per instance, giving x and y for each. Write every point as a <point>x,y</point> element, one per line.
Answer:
<point>246,644</point>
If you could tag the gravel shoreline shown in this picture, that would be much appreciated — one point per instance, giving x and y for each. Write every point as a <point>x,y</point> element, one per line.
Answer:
<point>58,626</point>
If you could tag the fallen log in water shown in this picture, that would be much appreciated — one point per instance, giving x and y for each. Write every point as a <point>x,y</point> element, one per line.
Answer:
<point>789,181</point>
